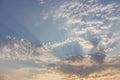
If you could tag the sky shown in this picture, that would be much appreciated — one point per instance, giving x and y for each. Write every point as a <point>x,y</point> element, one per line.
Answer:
<point>23,19</point>
<point>59,39</point>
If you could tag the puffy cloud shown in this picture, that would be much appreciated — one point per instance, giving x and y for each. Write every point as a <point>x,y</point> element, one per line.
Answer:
<point>20,49</point>
<point>89,24</point>
<point>93,28</point>
<point>83,70</point>
<point>89,20</point>
<point>98,57</point>
<point>73,67</point>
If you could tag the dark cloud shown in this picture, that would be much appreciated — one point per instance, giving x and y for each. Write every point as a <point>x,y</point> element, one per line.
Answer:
<point>98,57</point>
<point>93,38</point>
<point>79,70</point>
<point>74,58</point>
<point>97,53</point>
<point>84,70</point>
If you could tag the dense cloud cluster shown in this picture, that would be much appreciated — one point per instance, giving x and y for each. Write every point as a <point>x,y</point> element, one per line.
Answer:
<point>21,49</point>
<point>89,23</point>
<point>40,65</point>
<point>98,57</point>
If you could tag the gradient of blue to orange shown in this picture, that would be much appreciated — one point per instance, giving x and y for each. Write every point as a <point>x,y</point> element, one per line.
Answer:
<point>59,39</point>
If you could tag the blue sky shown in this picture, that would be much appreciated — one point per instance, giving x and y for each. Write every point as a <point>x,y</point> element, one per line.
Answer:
<point>22,19</point>
<point>77,37</point>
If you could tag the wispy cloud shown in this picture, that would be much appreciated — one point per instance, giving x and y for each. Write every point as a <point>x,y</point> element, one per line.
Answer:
<point>41,2</point>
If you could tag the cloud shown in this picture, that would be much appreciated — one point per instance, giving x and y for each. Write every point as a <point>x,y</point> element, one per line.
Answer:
<point>5,77</point>
<point>41,2</point>
<point>71,46</point>
<point>89,20</point>
<point>85,70</point>
<point>20,49</point>
<point>98,57</point>
<point>65,71</point>
<point>87,25</point>
<point>45,67</point>
<point>74,58</point>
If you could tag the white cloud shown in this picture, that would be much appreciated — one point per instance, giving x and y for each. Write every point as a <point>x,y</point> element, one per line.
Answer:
<point>52,67</point>
<point>24,50</point>
<point>42,1</point>
<point>88,20</point>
